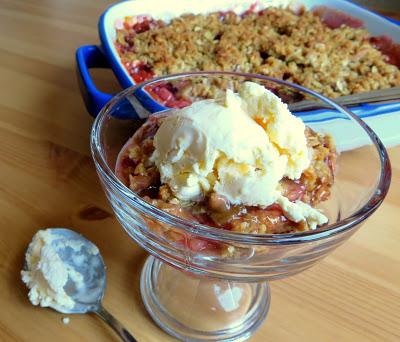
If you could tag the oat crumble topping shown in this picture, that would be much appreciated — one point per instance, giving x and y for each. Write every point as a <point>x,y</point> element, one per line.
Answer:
<point>297,47</point>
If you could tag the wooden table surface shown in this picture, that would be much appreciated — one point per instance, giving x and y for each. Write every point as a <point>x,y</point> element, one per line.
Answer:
<point>48,180</point>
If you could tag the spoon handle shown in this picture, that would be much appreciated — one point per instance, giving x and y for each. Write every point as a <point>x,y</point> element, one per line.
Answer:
<point>115,324</point>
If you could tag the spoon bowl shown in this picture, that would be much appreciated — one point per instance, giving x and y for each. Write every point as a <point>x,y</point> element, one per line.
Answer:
<point>88,262</point>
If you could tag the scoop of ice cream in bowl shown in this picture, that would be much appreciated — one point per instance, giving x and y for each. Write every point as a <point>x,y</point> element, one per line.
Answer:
<point>237,186</point>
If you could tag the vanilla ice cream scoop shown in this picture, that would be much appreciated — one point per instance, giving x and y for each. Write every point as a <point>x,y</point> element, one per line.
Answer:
<point>284,130</point>
<point>240,148</point>
<point>213,147</point>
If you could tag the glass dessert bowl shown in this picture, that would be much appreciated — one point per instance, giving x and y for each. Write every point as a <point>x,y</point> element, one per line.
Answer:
<point>207,281</point>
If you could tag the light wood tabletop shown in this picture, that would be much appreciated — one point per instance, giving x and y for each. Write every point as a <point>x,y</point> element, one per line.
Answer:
<point>48,180</point>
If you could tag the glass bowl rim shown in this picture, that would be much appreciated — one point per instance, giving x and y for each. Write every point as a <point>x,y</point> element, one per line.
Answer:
<point>219,234</point>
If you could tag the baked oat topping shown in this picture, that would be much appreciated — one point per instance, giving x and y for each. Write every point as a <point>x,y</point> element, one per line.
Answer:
<point>297,47</point>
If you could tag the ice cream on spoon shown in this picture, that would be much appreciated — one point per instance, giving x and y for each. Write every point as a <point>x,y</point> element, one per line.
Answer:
<point>65,271</point>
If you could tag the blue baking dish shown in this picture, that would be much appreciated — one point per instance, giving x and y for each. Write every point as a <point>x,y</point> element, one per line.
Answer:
<point>383,118</point>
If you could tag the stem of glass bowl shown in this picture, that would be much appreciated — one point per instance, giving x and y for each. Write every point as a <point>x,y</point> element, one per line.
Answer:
<point>193,308</point>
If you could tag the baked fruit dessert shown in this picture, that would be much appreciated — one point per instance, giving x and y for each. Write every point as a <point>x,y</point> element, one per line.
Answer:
<point>241,162</point>
<point>321,49</point>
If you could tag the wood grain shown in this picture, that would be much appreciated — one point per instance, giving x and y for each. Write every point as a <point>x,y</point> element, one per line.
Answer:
<point>48,180</point>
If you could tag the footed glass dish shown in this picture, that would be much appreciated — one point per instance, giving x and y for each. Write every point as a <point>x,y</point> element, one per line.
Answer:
<point>203,283</point>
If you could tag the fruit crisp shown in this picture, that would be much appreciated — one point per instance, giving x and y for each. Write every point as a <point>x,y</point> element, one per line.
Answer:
<point>323,49</point>
<point>136,170</point>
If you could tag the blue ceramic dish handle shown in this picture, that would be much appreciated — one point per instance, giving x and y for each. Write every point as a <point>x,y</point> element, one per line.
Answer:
<point>90,56</point>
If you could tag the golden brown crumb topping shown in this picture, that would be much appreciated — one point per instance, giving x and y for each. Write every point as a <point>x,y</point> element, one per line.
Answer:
<point>276,42</point>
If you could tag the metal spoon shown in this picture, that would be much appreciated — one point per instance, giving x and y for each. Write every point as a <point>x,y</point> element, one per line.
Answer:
<point>88,262</point>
